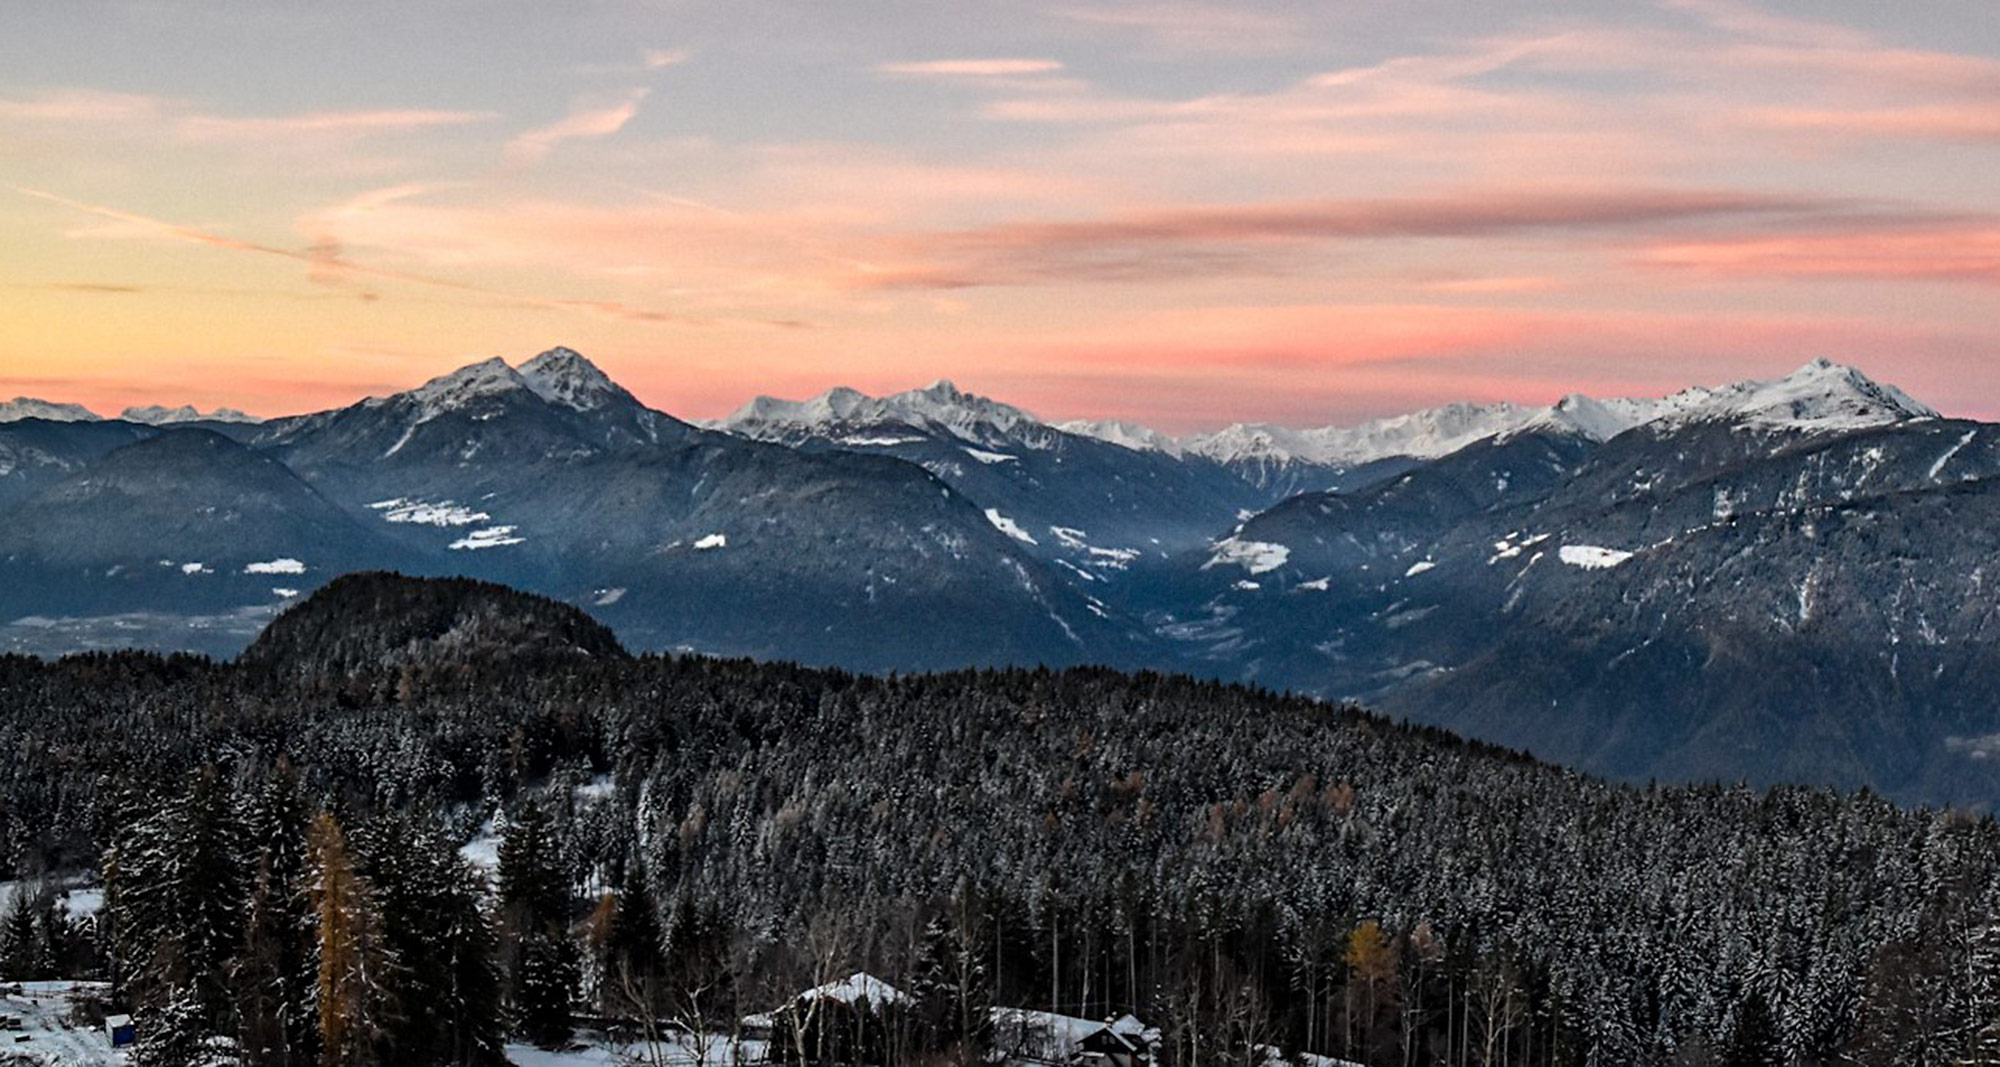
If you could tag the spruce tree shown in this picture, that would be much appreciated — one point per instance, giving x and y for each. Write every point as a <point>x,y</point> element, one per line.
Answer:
<point>535,919</point>
<point>176,885</point>
<point>1753,1040</point>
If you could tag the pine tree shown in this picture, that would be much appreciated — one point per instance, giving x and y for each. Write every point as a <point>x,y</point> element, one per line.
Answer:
<point>17,936</point>
<point>180,1035</point>
<point>1753,1040</point>
<point>535,914</point>
<point>177,889</point>
<point>443,943</point>
<point>277,970</point>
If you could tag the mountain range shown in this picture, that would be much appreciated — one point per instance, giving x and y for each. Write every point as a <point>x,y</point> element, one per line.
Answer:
<point>1769,580</point>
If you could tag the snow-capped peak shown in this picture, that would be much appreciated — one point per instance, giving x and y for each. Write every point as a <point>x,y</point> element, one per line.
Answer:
<point>1822,396</point>
<point>940,405</point>
<point>1125,434</point>
<point>449,392</point>
<point>1423,434</point>
<point>27,407</point>
<point>159,415</point>
<point>564,377</point>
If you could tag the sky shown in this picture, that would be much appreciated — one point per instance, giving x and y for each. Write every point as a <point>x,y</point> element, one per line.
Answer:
<point>1186,214</point>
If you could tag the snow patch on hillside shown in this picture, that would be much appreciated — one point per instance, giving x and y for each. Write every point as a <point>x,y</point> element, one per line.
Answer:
<point>1257,557</point>
<point>282,565</point>
<point>1592,557</point>
<point>1009,527</point>
<point>490,537</point>
<point>421,512</point>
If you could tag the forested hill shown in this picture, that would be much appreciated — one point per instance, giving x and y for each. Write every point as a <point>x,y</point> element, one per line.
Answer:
<point>369,622</point>
<point>1236,867</point>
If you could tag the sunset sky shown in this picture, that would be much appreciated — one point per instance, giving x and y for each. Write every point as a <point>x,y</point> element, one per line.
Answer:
<point>1188,214</point>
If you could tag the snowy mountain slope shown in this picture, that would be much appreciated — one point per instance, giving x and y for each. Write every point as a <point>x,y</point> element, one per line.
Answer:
<point>1820,397</point>
<point>1543,567</point>
<point>551,477</point>
<point>941,406</point>
<point>1093,507</point>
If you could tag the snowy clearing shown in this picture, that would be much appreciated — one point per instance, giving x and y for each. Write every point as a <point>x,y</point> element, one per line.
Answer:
<point>45,1036</point>
<point>490,537</point>
<point>714,540</point>
<point>282,565</point>
<point>988,457</point>
<point>424,513</point>
<point>1256,557</point>
<point>195,568</point>
<point>1591,557</point>
<point>1418,567</point>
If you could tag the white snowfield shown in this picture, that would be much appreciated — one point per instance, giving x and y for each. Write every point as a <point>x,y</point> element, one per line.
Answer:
<point>442,513</point>
<point>1592,557</point>
<point>1257,557</point>
<point>1009,527</point>
<point>490,537</point>
<point>714,540</point>
<point>284,565</point>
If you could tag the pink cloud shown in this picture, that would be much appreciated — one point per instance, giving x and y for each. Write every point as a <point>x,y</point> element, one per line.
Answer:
<point>587,121</point>
<point>1193,27</point>
<point>1187,241</point>
<point>1963,253</point>
<point>203,127</point>
<point>971,68</point>
<point>325,262</point>
<point>1977,122</point>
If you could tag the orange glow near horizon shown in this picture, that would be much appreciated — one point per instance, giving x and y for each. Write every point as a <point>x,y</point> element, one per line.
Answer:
<point>1129,218</point>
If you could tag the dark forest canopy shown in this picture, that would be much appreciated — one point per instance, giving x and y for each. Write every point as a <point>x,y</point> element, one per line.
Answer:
<point>1235,866</point>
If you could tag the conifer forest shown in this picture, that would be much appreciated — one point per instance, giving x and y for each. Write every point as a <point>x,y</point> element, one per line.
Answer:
<point>420,822</point>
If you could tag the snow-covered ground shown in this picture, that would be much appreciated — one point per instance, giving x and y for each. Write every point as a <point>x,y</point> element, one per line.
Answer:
<point>1255,556</point>
<point>1008,526</point>
<point>673,1051</point>
<point>78,900</point>
<point>45,1035</point>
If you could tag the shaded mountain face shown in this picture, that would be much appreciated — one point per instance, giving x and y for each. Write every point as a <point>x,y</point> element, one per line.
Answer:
<point>1093,507</point>
<point>36,451</point>
<point>551,477</point>
<point>181,520</point>
<point>1693,598</point>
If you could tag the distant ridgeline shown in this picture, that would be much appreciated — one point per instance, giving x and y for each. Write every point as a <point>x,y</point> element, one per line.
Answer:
<point>695,840</point>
